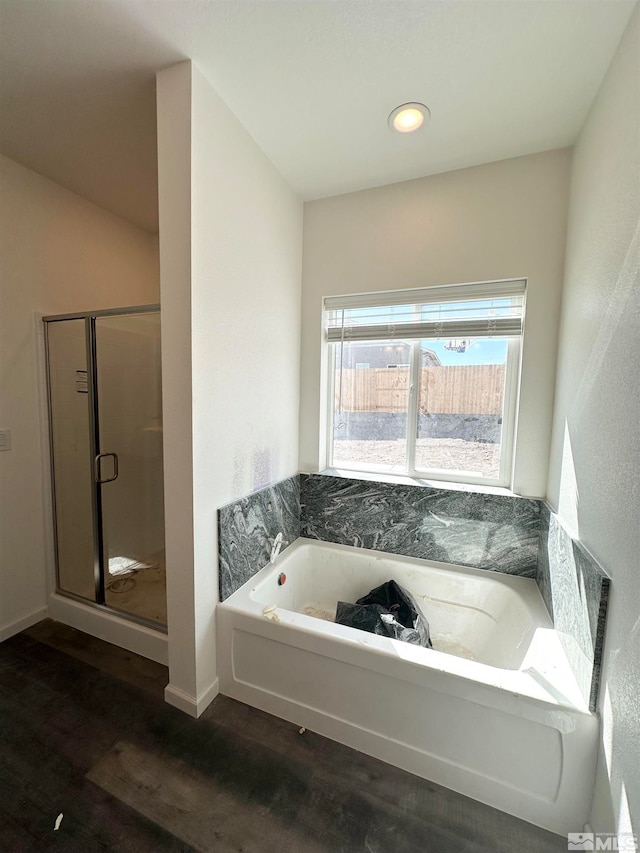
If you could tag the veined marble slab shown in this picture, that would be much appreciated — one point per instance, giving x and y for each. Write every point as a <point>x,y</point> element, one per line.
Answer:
<point>494,532</point>
<point>576,591</point>
<point>247,528</point>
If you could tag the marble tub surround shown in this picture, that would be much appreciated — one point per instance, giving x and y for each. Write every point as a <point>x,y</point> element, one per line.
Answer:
<point>495,532</point>
<point>575,590</point>
<point>247,528</point>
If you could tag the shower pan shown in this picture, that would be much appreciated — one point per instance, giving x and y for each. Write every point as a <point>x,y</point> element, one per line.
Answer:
<point>105,428</point>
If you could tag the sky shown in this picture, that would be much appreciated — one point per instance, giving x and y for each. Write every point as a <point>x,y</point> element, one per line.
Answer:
<point>481,351</point>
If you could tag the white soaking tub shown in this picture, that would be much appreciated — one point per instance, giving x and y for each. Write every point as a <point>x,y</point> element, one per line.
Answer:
<point>492,711</point>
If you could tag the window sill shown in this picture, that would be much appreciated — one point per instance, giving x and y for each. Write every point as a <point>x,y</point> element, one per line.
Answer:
<point>404,480</point>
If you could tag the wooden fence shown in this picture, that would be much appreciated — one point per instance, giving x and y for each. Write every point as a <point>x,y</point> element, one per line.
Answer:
<point>469,389</point>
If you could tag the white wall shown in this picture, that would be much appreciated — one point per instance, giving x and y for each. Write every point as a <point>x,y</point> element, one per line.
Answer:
<point>594,474</point>
<point>502,220</point>
<point>58,254</point>
<point>173,94</point>
<point>234,282</point>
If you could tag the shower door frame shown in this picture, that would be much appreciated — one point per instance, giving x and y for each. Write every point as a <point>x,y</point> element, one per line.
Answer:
<point>89,318</point>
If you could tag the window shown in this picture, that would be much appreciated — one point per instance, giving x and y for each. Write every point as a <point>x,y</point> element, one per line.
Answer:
<point>437,397</point>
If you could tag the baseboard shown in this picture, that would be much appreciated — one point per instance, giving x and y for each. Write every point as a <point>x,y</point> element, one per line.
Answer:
<point>192,705</point>
<point>9,629</point>
<point>207,696</point>
<point>105,626</point>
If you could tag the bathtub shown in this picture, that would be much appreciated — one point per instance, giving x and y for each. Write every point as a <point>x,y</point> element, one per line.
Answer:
<point>492,711</point>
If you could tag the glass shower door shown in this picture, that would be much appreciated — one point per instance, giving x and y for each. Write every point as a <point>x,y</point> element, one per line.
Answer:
<point>71,449</point>
<point>128,464</point>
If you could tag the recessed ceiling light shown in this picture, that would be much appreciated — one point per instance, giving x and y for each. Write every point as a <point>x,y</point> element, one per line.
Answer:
<point>408,117</point>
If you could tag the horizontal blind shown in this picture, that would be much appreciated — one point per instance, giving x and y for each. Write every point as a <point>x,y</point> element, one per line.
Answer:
<point>487,309</point>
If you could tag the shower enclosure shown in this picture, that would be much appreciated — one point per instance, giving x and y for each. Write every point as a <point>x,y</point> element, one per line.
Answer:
<point>105,426</point>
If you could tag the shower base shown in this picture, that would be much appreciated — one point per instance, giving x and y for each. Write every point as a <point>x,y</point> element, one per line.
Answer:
<point>141,593</point>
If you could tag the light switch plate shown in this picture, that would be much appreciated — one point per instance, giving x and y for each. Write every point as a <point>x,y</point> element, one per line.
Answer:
<point>5,439</point>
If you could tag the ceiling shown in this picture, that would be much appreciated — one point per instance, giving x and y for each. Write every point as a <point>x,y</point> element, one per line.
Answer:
<point>313,81</point>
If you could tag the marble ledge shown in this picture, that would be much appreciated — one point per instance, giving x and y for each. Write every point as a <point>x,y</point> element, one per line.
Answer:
<point>405,480</point>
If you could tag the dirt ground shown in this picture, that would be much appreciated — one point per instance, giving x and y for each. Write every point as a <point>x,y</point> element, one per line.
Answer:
<point>443,453</point>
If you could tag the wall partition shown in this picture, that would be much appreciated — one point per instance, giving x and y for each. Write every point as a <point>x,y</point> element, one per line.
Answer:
<point>105,421</point>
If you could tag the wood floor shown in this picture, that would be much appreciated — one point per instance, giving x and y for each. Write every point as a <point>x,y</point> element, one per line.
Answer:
<point>84,733</point>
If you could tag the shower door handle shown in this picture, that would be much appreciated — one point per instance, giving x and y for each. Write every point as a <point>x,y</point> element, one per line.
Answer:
<point>96,463</point>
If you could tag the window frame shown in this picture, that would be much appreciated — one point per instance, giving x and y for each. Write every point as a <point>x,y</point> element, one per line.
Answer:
<point>513,366</point>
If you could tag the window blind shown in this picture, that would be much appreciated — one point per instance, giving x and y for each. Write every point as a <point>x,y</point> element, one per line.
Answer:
<point>487,309</point>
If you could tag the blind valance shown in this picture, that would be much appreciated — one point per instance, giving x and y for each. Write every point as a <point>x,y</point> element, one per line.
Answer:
<point>487,309</point>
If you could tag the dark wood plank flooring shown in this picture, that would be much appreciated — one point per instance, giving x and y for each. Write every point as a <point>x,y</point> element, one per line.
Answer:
<point>84,732</point>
